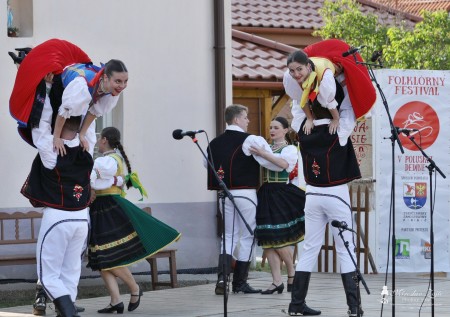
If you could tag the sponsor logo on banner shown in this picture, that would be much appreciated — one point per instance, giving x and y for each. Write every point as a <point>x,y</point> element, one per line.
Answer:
<point>422,117</point>
<point>426,249</point>
<point>415,194</point>
<point>402,248</point>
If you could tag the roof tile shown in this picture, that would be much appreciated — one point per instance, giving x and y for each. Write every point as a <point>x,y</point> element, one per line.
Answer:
<point>416,6</point>
<point>259,59</point>
<point>301,14</point>
<point>256,58</point>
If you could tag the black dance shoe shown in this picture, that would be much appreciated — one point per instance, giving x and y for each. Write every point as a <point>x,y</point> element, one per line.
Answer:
<point>133,306</point>
<point>278,289</point>
<point>25,50</point>
<point>79,309</point>
<point>16,59</point>
<point>39,306</point>
<point>111,309</point>
<point>245,288</point>
<point>303,311</point>
<point>220,288</point>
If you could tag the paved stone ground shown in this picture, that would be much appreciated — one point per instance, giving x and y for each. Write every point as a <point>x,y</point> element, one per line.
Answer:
<point>325,293</point>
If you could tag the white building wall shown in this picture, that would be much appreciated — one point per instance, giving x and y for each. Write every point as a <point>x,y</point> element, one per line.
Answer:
<point>168,48</point>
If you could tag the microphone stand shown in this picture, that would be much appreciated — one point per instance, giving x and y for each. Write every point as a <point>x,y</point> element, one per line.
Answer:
<point>394,138</point>
<point>430,168</point>
<point>223,195</point>
<point>358,277</point>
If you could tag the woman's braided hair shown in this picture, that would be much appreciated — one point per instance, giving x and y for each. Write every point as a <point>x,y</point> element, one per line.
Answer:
<point>112,135</point>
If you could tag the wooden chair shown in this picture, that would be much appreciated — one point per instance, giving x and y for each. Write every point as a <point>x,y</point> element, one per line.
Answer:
<point>19,220</point>
<point>168,253</point>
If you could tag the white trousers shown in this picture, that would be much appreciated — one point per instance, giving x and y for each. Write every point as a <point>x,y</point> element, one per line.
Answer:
<point>323,205</point>
<point>239,242</point>
<point>61,243</point>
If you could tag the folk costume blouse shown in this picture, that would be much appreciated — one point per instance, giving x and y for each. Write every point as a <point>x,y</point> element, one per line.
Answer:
<point>106,176</point>
<point>288,153</point>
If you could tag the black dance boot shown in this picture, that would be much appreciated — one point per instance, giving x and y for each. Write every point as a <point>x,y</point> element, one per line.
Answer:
<point>40,301</point>
<point>240,277</point>
<point>298,307</point>
<point>222,277</point>
<point>25,50</point>
<point>17,58</point>
<point>352,294</point>
<point>65,307</point>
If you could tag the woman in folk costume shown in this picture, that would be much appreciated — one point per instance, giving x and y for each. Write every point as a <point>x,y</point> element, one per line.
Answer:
<point>329,160</point>
<point>332,68</point>
<point>92,91</point>
<point>279,214</point>
<point>79,88</point>
<point>121,233</point>
<point>312,72</point>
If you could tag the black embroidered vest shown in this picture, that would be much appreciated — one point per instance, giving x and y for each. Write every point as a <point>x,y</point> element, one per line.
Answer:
<point>65,187</point>
<point>325,162</point>
<point>237,170</point>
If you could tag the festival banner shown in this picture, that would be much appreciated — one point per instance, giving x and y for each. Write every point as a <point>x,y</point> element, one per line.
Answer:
<point>419,104</point>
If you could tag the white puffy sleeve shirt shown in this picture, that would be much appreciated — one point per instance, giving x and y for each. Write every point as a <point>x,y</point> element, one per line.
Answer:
<point>104,105</point>
<point>42,135</point>
<point>48,155</point>
<point>76,99</point>
<point>103,172</point>
<point>327,92</point>
<point>288,153</point>
<point>43,138</point>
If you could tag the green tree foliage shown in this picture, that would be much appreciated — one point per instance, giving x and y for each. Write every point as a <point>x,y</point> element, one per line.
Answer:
<point>427,46</point>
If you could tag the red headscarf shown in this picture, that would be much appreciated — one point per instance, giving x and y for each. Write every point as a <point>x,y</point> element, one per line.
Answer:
<point>51,56</point>
<point>359,85</point>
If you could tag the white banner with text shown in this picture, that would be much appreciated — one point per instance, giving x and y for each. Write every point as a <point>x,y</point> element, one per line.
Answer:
<point>419,105</point>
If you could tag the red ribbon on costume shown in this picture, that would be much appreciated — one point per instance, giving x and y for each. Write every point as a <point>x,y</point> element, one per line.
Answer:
<point>294,173</point>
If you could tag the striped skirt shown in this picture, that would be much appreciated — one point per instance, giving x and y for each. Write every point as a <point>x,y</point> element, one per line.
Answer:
<point>122,233</point>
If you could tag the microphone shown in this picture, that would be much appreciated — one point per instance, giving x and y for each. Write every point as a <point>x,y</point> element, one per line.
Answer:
<point>352,50</point>
<point>178,134</point>
<point>375,56</point>
<point>406,131</point>
<point>341,225</point>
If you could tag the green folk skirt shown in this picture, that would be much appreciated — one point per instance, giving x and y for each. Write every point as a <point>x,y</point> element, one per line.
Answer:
<point>122,233</point>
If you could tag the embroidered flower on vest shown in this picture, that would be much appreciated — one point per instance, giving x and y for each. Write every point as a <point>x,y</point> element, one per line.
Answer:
<point>315,168</point>
<point>78,192</point>
<point>221,172</point>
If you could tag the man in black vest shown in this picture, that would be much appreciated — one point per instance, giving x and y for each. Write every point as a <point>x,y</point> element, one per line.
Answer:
<point>240,173</point>
<point>61,184</point>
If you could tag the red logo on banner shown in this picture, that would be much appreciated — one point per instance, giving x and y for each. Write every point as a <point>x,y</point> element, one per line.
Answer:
<point>421,116</point>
